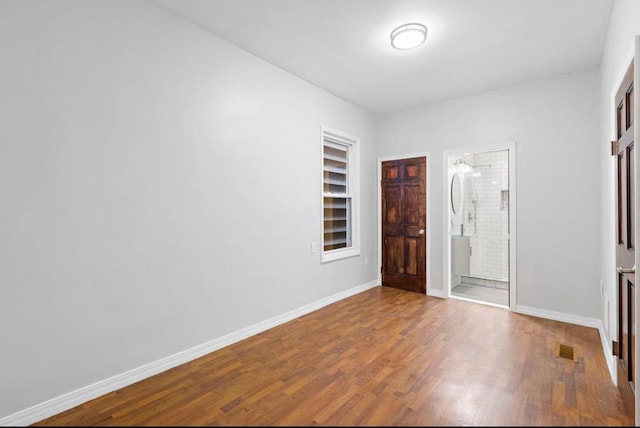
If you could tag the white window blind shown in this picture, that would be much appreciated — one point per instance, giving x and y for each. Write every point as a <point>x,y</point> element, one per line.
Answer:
<point>337,194</point>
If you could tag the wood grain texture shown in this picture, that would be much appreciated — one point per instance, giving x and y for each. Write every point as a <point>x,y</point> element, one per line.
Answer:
<point>381,357</point>
<point>403,209</point>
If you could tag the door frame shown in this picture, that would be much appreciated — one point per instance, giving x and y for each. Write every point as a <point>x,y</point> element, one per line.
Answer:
<point>427,156</point>
<point>636,132</point>
<point>633,55</point>
<point>610,302</point>
<point>446,242</point>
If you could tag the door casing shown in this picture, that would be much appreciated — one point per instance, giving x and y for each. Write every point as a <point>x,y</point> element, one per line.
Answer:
<point>611,301</point>
<point>428,231</point>
<point>625,250</point>
<point>446,242</point>
<point>636,131</point>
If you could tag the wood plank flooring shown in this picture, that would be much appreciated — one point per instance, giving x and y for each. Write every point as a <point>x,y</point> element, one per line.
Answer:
<point>381,357</point>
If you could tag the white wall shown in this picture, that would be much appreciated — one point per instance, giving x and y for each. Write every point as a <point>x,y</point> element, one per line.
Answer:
<point>554,123</point>
<point>159,188</point>
<point>623,26</point>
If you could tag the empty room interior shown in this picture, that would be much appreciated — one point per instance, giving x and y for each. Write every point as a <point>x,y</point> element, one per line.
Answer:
<point>318,212</point>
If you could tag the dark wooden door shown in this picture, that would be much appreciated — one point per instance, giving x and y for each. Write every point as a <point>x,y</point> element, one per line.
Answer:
<point>404,213</point>
<point>625,239</point>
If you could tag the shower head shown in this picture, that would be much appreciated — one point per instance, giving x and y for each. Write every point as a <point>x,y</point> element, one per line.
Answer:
<point>461,166</point>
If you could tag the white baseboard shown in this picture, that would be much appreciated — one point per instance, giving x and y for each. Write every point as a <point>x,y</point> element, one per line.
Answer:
<point>608,353</point>
<point>558,316</point>
<point>79,396</point>
<point>436,293</point>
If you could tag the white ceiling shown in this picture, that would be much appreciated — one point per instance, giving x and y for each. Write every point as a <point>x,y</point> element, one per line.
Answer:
<point>472,45</point>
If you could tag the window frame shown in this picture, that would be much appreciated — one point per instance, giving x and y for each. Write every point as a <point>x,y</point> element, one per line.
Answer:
<point>352,144</point>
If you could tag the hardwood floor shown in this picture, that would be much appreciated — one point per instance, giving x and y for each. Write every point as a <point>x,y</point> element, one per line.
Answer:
<point>381,357</point>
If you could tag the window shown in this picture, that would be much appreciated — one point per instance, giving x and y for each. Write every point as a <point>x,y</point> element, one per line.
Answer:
<point>340,225</point>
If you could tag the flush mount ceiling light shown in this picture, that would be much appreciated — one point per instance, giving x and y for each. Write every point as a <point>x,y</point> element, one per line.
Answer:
<point>408,36</point>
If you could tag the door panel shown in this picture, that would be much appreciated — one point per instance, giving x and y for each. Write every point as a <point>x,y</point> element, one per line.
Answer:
<point>412,256</point>
<point>404,224</point>
<point>630,198</point>
<point>625,234</point>
<point>394,259</point>
<point>632,333</point>
<point>393,206</point>
<point>412,206</point>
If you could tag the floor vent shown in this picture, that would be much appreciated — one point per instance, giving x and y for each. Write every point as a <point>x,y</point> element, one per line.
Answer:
<point>567,352</point>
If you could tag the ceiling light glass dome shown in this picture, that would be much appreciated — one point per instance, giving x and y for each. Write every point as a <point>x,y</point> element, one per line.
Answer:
<point>408,36</point>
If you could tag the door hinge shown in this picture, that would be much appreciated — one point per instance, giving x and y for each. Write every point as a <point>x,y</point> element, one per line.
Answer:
<point>614,348</point>
<point>614,147</point>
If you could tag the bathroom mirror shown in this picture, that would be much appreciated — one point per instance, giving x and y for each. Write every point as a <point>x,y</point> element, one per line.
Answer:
<point>456,193</point>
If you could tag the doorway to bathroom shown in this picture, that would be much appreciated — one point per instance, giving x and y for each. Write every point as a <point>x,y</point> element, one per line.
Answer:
<point>480,221</point>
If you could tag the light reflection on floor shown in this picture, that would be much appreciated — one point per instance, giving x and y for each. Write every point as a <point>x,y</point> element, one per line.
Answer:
<point>485,294</point>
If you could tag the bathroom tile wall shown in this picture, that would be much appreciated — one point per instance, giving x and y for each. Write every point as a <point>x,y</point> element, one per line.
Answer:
<point>490,244</point>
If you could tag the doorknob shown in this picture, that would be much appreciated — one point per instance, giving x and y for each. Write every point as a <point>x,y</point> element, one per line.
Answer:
<point>421,231</point>
<point>627,270</point>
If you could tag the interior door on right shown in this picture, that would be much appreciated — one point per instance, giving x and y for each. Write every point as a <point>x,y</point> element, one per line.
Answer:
<point>625,249</point>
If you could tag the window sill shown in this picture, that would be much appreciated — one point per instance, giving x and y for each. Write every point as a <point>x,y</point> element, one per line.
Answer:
<point>330,256</point>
